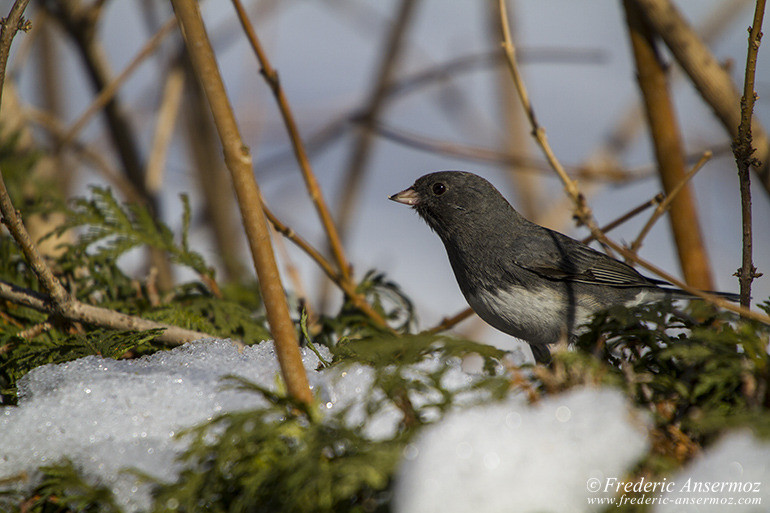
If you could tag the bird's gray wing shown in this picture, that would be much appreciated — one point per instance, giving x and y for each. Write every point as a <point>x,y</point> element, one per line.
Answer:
<point>558,257</point>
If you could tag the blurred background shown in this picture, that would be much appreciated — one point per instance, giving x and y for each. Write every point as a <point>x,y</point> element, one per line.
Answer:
<point>383,92</point>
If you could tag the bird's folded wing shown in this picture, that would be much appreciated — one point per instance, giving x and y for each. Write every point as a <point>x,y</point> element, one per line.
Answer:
<point>569,260</point>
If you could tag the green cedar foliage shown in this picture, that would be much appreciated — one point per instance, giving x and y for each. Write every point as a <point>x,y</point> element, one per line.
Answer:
<point>699,372</point>
<point>90,269</point>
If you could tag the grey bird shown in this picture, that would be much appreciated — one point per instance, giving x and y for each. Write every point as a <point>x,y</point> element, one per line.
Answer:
<point>525,280</point>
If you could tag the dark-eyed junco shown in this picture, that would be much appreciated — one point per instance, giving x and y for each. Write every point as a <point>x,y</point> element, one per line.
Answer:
<point>525,280</point>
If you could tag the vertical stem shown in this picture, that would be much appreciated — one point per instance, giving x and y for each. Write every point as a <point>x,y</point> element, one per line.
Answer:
<point>743,150</point>
<point>238,160</point>
<point>664,130</point>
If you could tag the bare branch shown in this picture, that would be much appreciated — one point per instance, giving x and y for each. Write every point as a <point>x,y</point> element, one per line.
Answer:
<point>744,155</point>
<point>238,161</point>
<point>271,76</point>
<point>76,311</point>
<point>582,211</point>
<point>712,81</point>
<point>669,150</point>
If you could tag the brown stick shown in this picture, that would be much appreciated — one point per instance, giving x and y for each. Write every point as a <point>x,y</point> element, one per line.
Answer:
<point>75,311</point>
<point>582,211</point>
<point>8,27</point>
<point>743,150</point>
<point>238,160</point>
<point>669,151</point>
<point>271,77</point>
<point>711,80</point>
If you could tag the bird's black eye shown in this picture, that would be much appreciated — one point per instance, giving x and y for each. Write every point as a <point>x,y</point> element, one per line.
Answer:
<point>439,188</point>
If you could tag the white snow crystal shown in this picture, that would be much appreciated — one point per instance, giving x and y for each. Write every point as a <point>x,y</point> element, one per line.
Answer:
<point>106,415</point>
<point>733,475</point>
<point>513,457</point>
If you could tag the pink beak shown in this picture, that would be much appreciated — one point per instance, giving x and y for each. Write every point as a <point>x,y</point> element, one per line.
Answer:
<point>407,197</point>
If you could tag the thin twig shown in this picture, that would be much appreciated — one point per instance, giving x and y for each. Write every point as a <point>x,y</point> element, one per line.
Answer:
<point>35,330</point>
<point>711,298</point>
<point>664,205</point>
<point>316,196</point>
<point>744,155</point>
<point>582,211</point>
<point>656,200</point>
<point>346,286</point>
<point>238,161</point>
<point>8,27</point>
<point>449,322</point>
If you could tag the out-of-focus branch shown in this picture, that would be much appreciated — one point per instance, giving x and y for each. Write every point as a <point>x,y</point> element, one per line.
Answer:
<point>215,186</point>
<point>363,142</point>
<point>711,80</point>
<point>80,22</point>
<point>744,155</point>
<point>521,164</point>
<point>107,93</point>
<point>58,302</point>
<point>669,152</point>
<point>57,131</point>
<point>238,160</point>
<point>271,76</point>
<point>164,128</point>
<point>9,26</point>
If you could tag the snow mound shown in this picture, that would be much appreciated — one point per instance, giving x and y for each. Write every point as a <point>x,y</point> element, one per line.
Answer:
<point>732,475</point>
<point>106,415</point>
<point>513,457</point>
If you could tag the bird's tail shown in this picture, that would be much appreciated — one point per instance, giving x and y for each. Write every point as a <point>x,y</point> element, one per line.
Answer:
<point>683,294</point>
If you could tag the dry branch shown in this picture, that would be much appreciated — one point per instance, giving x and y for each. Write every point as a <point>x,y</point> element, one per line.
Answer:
<point>744,155</point>
<point>669,151</point>
<point>238,161</point>
<point>271,76</point>
<point>711,80</point>
<point>76,311</point>
<point>582,211</point>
